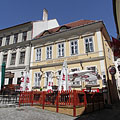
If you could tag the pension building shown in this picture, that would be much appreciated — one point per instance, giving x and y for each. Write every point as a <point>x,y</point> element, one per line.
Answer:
<point>83,44</point>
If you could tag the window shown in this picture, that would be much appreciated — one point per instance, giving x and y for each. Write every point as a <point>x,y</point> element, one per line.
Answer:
<point>18,81</point>
<point>49,52</point>
<point>15,38</point>
<point>58,77</point>
<point>24,37</point>
<point>74,47</point>
<point>38,54</point>
<point>89,45</point>
<point>109,55</point>
<point>61,50</point>
<point>94,82</point>
<point>5,58</point>
<point>22,58</point>
<point>74,69</point>
<point>37,79</point>
<point>48,78</point>
<point>13,58</point>
<point>7,40</point>
<point>92,68</point>
<point>59,73</point>
<point>0,41</point>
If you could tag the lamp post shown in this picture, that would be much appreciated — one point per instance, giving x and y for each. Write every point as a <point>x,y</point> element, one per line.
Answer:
<point>3,74</point>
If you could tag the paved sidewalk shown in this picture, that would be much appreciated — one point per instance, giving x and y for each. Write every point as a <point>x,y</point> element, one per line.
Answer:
<point>31,113</point>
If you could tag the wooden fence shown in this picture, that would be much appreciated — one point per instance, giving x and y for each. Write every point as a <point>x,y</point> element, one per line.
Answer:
<point>57,99</point>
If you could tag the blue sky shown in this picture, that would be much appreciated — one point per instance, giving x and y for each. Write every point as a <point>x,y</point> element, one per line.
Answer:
<point>13,12</point>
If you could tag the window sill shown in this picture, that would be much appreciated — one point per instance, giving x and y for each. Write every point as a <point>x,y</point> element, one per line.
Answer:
<point>37,60</point>
<point>48,58</point>
<point>61,56</point>
<point>74,54</point>
<point>89,52</point>
<point>45,87</point>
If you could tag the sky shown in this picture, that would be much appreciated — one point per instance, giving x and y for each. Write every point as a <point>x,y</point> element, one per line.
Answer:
<point>14,12</point>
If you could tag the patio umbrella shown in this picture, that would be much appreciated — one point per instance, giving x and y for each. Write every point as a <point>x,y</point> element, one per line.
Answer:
<point>84,75</point>
<point>64,83</point>
<point>81,74</point>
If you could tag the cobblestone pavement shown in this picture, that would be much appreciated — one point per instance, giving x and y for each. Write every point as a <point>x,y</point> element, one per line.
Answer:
<point>31,113</point>
<point>110,113</point>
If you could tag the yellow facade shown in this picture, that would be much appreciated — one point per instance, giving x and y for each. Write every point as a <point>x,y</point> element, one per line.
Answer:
<point>101,57</point>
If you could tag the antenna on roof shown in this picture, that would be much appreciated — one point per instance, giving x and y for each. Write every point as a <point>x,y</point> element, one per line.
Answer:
<point>45,14</point>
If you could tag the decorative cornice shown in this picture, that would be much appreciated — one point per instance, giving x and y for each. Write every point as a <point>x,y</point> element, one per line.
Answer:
<point>15,67</point>
<point>69,62</point>
<point>15,46</point>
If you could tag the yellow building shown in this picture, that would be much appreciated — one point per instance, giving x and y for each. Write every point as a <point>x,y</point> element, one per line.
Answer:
<point>83,44</point>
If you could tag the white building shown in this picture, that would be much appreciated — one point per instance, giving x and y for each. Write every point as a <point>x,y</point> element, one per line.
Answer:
<point>15,46</point>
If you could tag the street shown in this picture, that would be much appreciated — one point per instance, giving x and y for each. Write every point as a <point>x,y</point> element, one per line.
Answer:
<point>35,113</point>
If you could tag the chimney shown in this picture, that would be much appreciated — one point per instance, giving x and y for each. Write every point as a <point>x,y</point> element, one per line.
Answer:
<point>45,15</point>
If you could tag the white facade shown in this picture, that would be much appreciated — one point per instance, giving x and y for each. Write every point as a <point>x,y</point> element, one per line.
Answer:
<point>40,26</point>
<point>19,63</point>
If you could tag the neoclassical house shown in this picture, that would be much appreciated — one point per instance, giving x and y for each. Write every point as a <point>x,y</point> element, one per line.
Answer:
<point>15,47</point>
<point>83,44</point>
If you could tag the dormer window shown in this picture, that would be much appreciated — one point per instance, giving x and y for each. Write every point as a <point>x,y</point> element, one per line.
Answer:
<point>45,33</point>
<point>64,28</point>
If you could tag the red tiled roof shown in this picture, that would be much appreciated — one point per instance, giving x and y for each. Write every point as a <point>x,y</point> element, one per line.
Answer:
<point>68,26</point>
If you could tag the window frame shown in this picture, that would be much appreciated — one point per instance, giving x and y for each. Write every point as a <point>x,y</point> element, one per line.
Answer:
<point>109,53</point>
<point>15,36</point>
<point>37,82</point>
<point>59,76</point>
<point>11,61</point>
<point>89,44</point>
<point>24,36</point>
<point>50,52</point>
<point>91,67</point>
<point>46,80</point>
<point>22,57</point>
<point>76,40</point>
<point>38,55</point>
<point>77,69</point>
<point>6,58</point>
<point>7,42</point>
<point>62,50</point>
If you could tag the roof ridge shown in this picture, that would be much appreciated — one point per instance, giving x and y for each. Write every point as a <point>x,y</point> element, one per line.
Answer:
<point>69,25</point>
